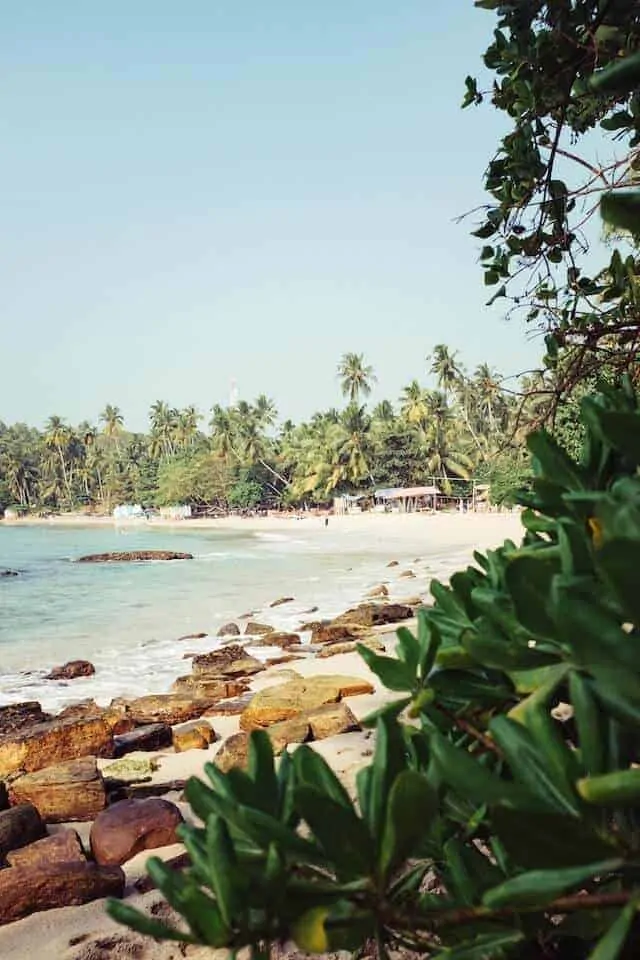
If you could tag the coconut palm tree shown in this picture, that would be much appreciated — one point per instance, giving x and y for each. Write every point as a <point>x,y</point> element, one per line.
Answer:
<point>384,413</point>
<point>265,410</point>
<point>113,421</point>
<point>57,437</point>
<point>356,377</point>
<point>414,403</point>
<point>444,366</point>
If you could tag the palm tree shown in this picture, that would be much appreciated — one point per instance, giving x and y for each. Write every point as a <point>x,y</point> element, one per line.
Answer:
<point>444,365</point>
<point>265,410</point>
<point>223,431</point>
<point>488,388</point>
<point>414,403</point>
<point>113,420</point>
<point>384,412</point>
<point>356,377</point>
<point>57,438</point>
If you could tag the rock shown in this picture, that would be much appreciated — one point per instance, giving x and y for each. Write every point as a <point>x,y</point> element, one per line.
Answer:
<point>115,718</point>
<point>72,670</point>
<point>193,636</point>
<point>257,629</point>
<point>130,826</point>
<point>379,591</point>
<point>24,891</point>
<point>62,847</point>
<point>229,630</point>
<point>331,720</point>
<point>279,639</point>
<point>134,556</point>
<point>56,741</point>
<point>151,736</point>
<point>145,791</point>
<point>18,716</point>
<point>219,663</point>
<point>350,646</point>
<point>393,563</point>
<point>195,736</point>
<point>413,601</point>
<point>375,614</point>
<point>204,687</point>
<point>407,575</point>
<point>335,632</point>
<point>311,610</point>
<point>131,770</point>
<point>285,658</point>
<point>163,708</point>
<point>281,601</point>
<point>8,573</point>
<point>229,708</point>
<point>19,826</point>
<point>290,699</point>
<point>68,791</point>
<point>312,625</point>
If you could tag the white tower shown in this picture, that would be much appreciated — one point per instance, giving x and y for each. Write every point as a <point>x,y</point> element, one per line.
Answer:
<point>233,393</point>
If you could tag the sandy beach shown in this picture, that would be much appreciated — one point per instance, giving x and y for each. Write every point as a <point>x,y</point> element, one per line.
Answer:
<point>85,932</point>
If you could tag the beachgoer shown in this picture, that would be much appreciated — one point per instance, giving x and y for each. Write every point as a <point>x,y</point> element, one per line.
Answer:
<point>326,521</point>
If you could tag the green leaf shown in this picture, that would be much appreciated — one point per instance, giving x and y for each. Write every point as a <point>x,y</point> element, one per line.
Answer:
<point>486,946</point>
<point>622,210</point>
<point>556,464</point>
<point>312,770</point>
<point>550,839</point>
<point>389,761</point>
<point>621,76</point>
<point>540,887</point>
<point>610,946</point>
<point>618,788</point>
<point>261,769</point>
<point>472,780</point>
<point>412,805</point>
<point>341,833</point>
<point>619,561</point>
<point>394,674</point>
<point>223,868</point>
<point>590,724</point>
<point>408,649</point>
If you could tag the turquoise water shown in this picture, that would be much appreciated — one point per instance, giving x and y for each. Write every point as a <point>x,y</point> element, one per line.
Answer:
<point>127,618</point>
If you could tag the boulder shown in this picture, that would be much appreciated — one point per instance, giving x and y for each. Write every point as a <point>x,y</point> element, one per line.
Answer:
<point>229,630</point>
<point>130,826</point>
<point>312,625</point>
<point>380,591</point>
<point>115,718</point>
<point>203,687</point>
<point>213,665</point>
<point>281,638</point>
<point>349,646</point>
<point>131,556</point>
<point>331,720</point>
<point>130,770</point>
<point>255,629</point>
<point>282,601</point>
<point>229,708</point>
<point>407,575</point>
<point>24,890</point>
<point>336,632</point>
<point>72,670</point>
<point>145,791</point>
<point>53,742</point>
<point>67,791</point>
<point>62,847</point>
<point>374,614</point>
<point>150,737</point>
<point>285,658</point>
<point>17,716</point>
<point>287,700</point>
<point>163,708</point>
<point>393,563</point>
<point>194,736</point>
<point>19,826</point>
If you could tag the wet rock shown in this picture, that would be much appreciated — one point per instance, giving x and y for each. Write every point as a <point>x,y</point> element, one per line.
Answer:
<point>285,658</point>
<point>407,575</point>
<point>336,632</point>
<point>8,573</point>
<point>214,665</point>
<point>72,670</point>
<point>115,718</point>
<point>380,591</point>
<point>311,625</point>
<point>130,770</point>
<point>393,563</point>
<point>193,636</point>
<point>150,737</point>
<point>375,614</point>
<point>62,847</point>
<point>255,629</point>
<point>18,716</point>
<point>19,826</point>
<point>134,556</point>
<point>279,639</point>
<point>287,700</point>
<point>25,890</point>
<point>194,736</point>
<point>163,708</point>
<point>350,646</point>
<point>229,708</point>
<point>130,826</point>
<point>282,601</point>
<point>306,613</point>
<point>67,791</point>
<point>229,630</point>
<point>203,687</point>
<point>56,741</point>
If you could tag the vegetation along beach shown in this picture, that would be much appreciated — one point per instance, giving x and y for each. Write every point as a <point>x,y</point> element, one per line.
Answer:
<point>331,650</point>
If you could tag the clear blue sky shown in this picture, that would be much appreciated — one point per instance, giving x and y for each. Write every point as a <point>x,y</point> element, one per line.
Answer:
<point>204,190</point>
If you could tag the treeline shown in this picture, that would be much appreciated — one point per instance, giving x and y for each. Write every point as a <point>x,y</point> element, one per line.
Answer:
<point>467,426</point>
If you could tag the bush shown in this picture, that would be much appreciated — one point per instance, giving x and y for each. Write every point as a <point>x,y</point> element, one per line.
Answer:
<point>504,821</point>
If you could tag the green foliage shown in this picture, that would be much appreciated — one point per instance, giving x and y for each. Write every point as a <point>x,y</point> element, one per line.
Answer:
<point>504,820</point>
<point>245,493</point>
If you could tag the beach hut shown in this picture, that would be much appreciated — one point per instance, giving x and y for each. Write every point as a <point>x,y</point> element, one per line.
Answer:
<point>408,499</point>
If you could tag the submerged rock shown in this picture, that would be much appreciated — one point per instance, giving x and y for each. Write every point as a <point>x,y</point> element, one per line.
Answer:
<point>72,670</point>
<point>281,601</point>
<point>9,573</point>
<point>134,556</point>
<point>229,630</point>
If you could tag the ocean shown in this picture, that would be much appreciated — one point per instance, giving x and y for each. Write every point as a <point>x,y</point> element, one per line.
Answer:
<point>127,618</point>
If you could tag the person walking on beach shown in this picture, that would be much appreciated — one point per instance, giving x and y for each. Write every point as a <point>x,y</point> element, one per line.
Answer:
<point>326,521</point>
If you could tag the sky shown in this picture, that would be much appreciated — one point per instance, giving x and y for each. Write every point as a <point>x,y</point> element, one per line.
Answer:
<point>216,190</point>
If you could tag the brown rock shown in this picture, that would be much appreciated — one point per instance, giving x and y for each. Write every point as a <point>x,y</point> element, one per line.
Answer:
<point>234,752</point>
<point>67,791</point>
<point>229,630</point>
<point>331,720</point>
<point>257,629</point>
<point>285,658</point>
<point>24,891</point>
<point>19,826</point>
<point>178,863</point>
<point>18,716</point>
<point>246,667</point>
<point>312,625</point>
<point>375,614</point>
<point>414,601</point>
<point>152,736</point>
<point>62,847</point>
<point>281,601</point>
<point>130,826</point>
<point>281,639</point>
<point>131,556</point>
<point>379,591</point>
<point>229,708</point>
<point>72,670</point>
<point>216,661</point>
<point>46,744</point>
<point>195,736</point>
<point>287,700</point>
<point>115,718</point>
<point>145,791</point>
<point>164,708</point>
<point>407,575</point>
<point>336,632</point>
<point>350,646</point>
<point>4,796</point>
<point>193,636</point>
<point>393,563</point>
<point>202,686</point>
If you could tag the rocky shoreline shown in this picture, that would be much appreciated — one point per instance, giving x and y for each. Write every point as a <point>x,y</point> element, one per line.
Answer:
<point>84,794</point>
